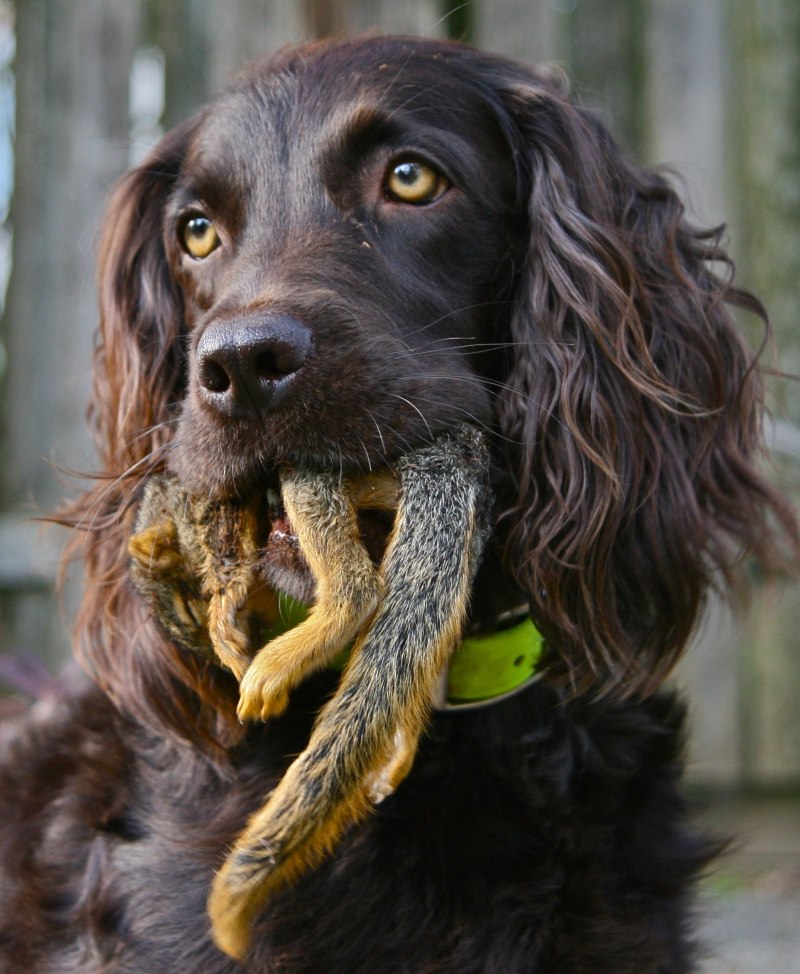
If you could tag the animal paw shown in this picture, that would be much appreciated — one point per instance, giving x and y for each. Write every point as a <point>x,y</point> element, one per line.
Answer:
<point>262,694</point>
<point>384,779</point>
<point>160,573</point>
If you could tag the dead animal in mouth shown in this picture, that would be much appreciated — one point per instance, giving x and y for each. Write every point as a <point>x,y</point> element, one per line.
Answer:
<point>406,616</point>
<point>212,570</point>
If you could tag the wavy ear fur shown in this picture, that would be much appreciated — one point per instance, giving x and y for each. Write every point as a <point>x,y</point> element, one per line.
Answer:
<point>138,381</point>
<point>632,404</point>
<point>139,367</point>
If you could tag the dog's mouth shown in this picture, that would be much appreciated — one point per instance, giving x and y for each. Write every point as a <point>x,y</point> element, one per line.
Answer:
<point>215,572</point>
<point>281,561</point>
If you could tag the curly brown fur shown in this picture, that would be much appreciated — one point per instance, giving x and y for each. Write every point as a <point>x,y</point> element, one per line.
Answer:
<point>553,295</point>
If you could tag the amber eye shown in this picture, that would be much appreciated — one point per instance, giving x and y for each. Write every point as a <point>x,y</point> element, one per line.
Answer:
<point>199,237</point>
<point>414,182</point>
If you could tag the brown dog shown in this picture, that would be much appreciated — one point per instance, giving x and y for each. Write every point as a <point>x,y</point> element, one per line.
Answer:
<point>359,248</point>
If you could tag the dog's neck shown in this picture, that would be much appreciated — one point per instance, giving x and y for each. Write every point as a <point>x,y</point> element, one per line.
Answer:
<point>485,668</point>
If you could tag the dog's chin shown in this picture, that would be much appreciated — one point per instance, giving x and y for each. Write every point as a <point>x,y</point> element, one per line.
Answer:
<point>220,469</point>
<point>229,476</point>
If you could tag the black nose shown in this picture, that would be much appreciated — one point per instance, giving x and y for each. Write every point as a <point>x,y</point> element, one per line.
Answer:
<point>247,365</point>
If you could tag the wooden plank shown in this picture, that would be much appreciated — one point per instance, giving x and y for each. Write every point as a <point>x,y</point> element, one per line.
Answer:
<point>764,155</point>
<point>243,31</point>
<point>422,17</point>
<point>527,30</point>
<point>207,42</point>
<point>183,33</point>
<point>606,55</point>
<point>71,144</point>
<point>764,159</point>
<point>708,677</point>
<point>683,101</point>
<point>686,105</point>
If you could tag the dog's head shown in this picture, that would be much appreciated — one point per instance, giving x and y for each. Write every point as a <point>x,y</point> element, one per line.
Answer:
<point>360,245</point>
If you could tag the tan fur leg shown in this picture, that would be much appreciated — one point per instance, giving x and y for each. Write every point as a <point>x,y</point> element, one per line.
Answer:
<point>381,783</point>
<point>256,868</point>
<point>348,590</point>
<point>230,644</point>
<point>229,543</point>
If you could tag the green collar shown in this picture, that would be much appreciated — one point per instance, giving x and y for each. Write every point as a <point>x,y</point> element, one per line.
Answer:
<point>483,669</point>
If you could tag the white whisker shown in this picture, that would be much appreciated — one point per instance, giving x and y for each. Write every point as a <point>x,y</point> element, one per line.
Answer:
<point>413,406</point>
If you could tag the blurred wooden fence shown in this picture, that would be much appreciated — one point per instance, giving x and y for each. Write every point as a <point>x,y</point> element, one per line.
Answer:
<point>710,88</point>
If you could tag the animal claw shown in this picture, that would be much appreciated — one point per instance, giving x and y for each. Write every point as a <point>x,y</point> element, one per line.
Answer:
<point>261,697</point>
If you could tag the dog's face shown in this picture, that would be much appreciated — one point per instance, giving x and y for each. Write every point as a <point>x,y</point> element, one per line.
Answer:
<point>362,244</point>
<point>343,260</point>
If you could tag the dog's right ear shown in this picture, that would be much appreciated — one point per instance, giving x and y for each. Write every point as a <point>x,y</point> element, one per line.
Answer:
<point>138,368</point>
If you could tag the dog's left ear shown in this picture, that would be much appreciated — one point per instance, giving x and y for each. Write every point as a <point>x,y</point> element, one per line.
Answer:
<point>632,405</point>
<point>139,376</point>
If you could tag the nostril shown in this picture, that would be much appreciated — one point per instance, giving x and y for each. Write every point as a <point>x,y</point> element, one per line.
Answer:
<point>213,376</point>
<point>265,368</point>
<point>278,361</point>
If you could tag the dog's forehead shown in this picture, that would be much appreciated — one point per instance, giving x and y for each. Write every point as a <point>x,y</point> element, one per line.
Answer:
<point>287,113</point>
<point>398,77</point>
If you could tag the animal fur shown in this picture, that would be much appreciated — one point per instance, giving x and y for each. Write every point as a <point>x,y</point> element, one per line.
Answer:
<point>357,248</point>
<point>364,740</point>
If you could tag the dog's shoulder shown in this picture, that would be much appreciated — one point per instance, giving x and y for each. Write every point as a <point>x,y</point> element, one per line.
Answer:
<point>70,744</point>
<point>62,776</point>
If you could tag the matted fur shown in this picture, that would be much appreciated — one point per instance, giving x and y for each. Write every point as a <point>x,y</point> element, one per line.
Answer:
<point>556,297</point>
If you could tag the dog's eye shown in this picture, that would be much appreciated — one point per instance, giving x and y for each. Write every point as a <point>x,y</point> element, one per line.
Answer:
<point>199,237</point>
<point>414,182</point>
